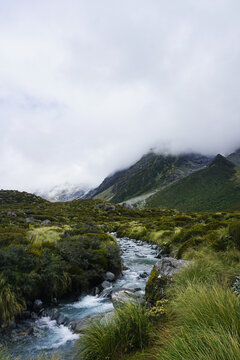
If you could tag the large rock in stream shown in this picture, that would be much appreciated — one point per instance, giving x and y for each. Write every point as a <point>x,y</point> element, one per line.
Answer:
<point>80,325</point>
<point>122,296</point>
<point>161,276</point>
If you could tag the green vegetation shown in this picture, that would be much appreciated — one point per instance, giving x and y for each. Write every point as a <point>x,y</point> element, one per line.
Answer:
<point>152,171</point>
<point>197,314</point>
<point>212,189</point>
<point>71,254</point>
<point>207,323</point>
<point>127,330</point>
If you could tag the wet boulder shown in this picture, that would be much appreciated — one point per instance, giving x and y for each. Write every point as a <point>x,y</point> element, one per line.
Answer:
<point>61,319</point>
<point>161,276</point>
<point>109,276</point>
<point>105,284</point>
<point>122,296</point>
<point>37,305</point>
<point>80,325</point>
<point>143,275</point>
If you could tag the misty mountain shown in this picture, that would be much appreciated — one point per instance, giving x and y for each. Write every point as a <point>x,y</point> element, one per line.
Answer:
<point>62,193</point>
<point>235,157</point>
<point>215,188</point>
<point>152,172</point>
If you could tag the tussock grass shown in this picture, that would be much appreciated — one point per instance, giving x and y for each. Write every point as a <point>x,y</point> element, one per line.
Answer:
<point>202,345</point>
<point>210,270</point>
<point>129,329</point>
<point>206,307</point>
<point>44,234</point>
<point>10,303</point>
<point>207,322</point>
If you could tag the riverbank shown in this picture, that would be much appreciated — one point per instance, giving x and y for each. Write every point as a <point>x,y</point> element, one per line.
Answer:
<point>138,259</point>
<point>40,244</point>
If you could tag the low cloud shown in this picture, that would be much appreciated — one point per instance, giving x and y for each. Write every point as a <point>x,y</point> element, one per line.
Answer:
<point>87,87</point>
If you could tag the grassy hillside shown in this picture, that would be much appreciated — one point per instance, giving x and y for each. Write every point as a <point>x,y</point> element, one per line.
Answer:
<point>198,315</point>
<point>215,188</point>
<point>152,171</point>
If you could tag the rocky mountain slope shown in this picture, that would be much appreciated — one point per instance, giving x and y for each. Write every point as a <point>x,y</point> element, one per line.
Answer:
<point>153,171</point>
<point>215,188</point>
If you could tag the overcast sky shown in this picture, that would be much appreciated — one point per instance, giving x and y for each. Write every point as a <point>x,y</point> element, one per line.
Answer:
<point>88,86</point>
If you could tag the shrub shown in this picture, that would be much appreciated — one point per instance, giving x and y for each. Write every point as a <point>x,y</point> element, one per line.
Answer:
<point>129,329</point>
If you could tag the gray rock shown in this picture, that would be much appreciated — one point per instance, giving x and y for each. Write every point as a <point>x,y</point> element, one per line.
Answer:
<point>109,276</point>
<point>9,213</point>
<point>37,305</point>
<point>122,296</point>
<point>46,222</point>
<point>144,275</point>
<point>53,313</point>
<point>62,319</point>
<point>105,284</point>
<point>162,274</point>
<point>106,293</point>
<point>168,266</point>
<point>108,207</point>
<point>128,206</point>
<point>30,219</point>
<point>80,325</point>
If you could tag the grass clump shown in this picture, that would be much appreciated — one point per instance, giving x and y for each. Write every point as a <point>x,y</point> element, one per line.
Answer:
<point>207,318</point>
<point>202,345</point>
<point>10,304</point>
<point>127,330</point>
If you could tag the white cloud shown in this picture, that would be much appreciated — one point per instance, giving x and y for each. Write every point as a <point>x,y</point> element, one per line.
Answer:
<point>86,87</point>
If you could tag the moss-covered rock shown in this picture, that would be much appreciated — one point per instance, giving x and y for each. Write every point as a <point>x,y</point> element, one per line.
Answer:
<point>161,277</point>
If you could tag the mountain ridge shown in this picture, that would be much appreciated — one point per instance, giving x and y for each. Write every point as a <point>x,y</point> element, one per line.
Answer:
<point>151,172</point>
<point>211,189</point>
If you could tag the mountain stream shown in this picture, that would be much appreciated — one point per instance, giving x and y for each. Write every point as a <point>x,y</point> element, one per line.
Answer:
<point>50,338</point>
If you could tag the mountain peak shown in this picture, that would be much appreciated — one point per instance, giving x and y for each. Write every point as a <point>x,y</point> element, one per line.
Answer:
<point>220,160</point>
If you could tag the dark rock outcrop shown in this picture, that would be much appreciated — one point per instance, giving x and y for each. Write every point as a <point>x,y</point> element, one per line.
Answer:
<point>161,277</point>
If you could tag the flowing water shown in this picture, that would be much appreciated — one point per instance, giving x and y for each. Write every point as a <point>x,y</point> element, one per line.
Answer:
<point>50,338</point>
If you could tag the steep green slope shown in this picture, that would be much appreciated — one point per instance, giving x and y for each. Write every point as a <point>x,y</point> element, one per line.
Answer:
<point>215,188</point>
<point>152,171</point>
